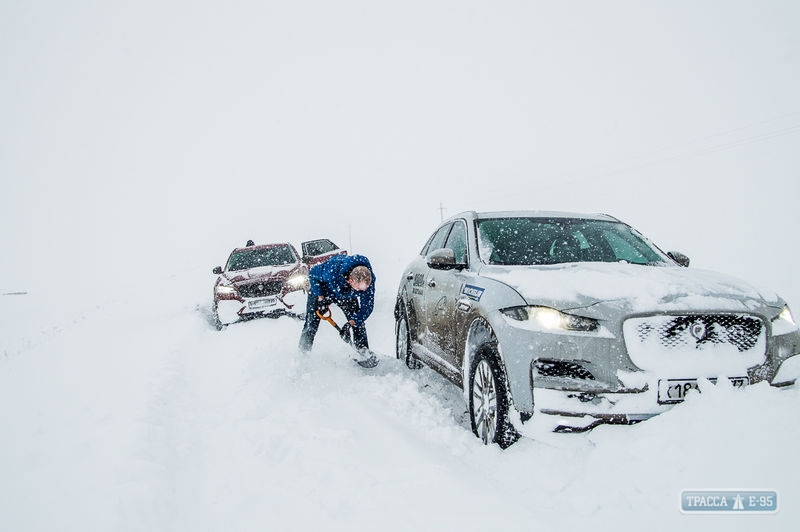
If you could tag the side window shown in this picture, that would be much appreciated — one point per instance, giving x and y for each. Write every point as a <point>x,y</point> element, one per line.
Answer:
<point>457,241</point>
<point>437,240</point>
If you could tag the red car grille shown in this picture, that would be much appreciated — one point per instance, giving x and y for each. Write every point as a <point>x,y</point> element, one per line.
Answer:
<point>261,289</point>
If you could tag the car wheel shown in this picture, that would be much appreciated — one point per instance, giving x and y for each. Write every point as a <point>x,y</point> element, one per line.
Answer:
<point>403,343</point>
<point>488,401</point>
<point>218,325</point>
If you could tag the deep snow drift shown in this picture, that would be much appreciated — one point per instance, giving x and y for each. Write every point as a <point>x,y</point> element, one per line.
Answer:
<point>135,414</point>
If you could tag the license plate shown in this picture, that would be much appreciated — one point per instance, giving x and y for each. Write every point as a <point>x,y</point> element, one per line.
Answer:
<point>261,303</point>
<point>675,390</point>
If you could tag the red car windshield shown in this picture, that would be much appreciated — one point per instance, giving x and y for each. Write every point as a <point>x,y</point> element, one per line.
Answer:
<point>253,258</point>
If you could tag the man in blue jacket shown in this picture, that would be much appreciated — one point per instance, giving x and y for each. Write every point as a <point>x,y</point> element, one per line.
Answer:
<point>348,281</point>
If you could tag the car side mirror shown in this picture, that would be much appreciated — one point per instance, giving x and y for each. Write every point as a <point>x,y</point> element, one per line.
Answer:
<point>442,259</point>
<point>679,257</point>
<point>217,270</point>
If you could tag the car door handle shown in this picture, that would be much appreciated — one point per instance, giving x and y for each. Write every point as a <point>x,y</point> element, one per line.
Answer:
<point>431,283</point>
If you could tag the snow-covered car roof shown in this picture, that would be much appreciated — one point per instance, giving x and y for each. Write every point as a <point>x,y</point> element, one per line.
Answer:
<point>533,214</point>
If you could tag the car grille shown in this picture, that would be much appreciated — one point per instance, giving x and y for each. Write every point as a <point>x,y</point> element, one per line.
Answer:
<point>260,289</point>
<point>698,331</point>
<point>733,336</point>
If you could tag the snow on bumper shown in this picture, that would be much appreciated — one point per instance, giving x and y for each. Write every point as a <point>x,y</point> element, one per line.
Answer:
<point>230,310</point>
<point>581,379</point>
<point>567,410</point>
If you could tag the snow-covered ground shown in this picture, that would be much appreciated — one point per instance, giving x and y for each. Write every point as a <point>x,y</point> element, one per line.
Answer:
<point>133,413</point>
<point>141,141</point>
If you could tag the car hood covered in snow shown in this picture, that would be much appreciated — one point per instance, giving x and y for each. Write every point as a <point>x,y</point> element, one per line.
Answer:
<point>631,287</point>
<point>260,273</point>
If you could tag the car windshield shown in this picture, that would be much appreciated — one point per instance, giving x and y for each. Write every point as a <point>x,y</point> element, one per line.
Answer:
<point>535,241</point>
<point>253,258</point>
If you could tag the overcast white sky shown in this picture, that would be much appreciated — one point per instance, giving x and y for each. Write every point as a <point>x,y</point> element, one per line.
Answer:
<point>158,135</point>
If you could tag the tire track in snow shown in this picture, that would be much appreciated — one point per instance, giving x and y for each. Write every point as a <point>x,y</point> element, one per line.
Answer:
<point>186,411</point>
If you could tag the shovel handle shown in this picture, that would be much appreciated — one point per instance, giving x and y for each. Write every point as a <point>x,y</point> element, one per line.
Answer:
<point>327,317</point>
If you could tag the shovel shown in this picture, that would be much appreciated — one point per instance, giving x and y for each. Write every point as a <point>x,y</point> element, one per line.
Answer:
<point>371,359</point>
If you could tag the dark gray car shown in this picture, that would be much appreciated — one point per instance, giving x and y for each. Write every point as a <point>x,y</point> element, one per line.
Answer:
<point>579,318</point>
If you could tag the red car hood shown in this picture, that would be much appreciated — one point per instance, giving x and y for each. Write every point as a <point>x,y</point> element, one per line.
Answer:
<point>263,273</point>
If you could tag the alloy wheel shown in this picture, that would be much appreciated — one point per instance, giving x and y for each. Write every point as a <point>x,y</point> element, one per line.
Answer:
<point>401,345</point>
<point>484,402</point>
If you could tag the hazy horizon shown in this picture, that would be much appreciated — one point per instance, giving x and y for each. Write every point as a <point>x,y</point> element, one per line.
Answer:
<point>148,137</point>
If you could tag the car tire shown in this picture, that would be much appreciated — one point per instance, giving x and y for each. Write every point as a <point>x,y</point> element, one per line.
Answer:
<point>489,400</point>
<point>215,321</point>
<point>403,342</point>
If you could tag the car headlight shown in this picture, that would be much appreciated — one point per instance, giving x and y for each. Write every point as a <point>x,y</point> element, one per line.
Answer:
<point>551,319</point>
<point>226,290</point>
<point>784,322</point>
<point>298,280</point>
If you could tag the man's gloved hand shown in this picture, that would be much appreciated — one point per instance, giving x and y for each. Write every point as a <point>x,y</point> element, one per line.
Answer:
<point>344,332</point>
<point>322,305</point>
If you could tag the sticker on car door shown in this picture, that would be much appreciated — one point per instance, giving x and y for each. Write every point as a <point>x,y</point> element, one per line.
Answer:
<point>473,292</point>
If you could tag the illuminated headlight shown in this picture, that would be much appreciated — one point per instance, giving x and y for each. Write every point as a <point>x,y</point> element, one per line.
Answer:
<point>784,322</point>
<point>297,280</point>
<point>226,290</point>
<point>551,319</point>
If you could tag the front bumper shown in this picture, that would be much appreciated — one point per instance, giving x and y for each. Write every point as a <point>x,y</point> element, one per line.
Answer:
<point>573,411</point>
<point>580,380</point>
<point>233,310</point>
<point>576,411</point>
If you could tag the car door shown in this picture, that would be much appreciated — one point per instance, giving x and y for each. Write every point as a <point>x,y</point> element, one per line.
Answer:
<point>318,251</point>
<point>443,290</point>
<point>417,278</point>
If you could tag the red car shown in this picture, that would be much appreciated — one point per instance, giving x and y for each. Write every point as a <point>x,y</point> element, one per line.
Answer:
<point>267,280</point>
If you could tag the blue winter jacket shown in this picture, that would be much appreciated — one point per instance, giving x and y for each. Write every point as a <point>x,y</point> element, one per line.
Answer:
<point>329,280</point>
